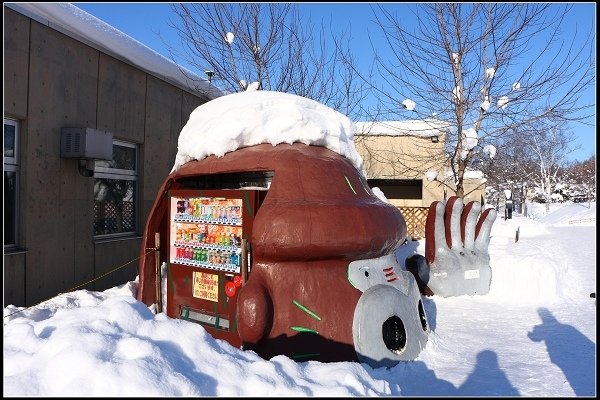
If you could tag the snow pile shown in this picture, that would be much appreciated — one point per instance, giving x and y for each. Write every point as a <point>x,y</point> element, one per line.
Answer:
<point>490,150</point>
<point>246,119</point>
<point>485,105</point>
<point>572,214</point>
<point>470,138</point>
<point>431,175</point>
<point>380,195</point>
<point>532,279</point>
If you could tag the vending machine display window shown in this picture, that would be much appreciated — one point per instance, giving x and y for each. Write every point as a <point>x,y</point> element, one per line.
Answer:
<point>206,232</point>
<point>209,256</point>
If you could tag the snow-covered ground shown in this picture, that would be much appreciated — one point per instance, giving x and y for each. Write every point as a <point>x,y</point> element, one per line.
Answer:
<point>534,334</point>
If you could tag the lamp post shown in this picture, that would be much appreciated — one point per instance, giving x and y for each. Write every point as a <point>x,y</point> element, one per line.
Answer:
<point>210,74</point>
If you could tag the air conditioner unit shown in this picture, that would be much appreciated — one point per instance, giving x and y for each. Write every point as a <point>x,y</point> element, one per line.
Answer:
<point>86,143</point>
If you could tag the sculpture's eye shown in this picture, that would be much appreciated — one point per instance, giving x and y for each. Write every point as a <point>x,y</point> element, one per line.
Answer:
<point>365,270</point>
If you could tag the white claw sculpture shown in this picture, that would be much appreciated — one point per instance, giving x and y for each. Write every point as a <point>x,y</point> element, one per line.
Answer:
<point>457,260</point>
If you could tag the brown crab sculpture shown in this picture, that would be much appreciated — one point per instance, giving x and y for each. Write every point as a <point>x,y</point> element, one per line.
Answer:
<point>324,282</point>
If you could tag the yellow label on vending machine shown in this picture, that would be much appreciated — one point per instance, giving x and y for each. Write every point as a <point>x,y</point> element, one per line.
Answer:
<point>206,286</point>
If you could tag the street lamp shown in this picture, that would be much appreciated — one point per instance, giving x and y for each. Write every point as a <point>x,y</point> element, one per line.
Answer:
<point>210,74</point>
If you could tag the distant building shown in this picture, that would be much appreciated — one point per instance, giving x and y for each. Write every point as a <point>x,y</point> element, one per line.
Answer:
<point>407,162</point>
<point>69,216</point>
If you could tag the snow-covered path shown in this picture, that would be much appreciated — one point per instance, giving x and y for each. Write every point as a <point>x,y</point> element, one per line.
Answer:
<point>535,307</point>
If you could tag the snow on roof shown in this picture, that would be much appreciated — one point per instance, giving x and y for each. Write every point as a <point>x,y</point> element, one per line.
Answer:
<point>471,174</point>
<point>246,119</point>
<point>427,127</point>
<point>78,24</point>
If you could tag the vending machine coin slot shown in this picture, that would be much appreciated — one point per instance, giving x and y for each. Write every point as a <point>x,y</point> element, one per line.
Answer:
<point>212,321</point>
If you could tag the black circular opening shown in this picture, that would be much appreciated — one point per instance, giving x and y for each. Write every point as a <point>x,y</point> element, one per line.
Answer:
<point>394,334</point>
<point>367,274</point>
<point>422,316</point>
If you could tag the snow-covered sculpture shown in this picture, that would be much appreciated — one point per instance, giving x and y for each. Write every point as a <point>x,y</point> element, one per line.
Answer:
<point>323,281</point>
<point>324,277</point>
<point>456,260</point>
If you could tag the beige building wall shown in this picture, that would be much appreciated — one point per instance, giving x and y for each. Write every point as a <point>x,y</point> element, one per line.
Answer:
<point>409,158</point>
<point>399,157</point>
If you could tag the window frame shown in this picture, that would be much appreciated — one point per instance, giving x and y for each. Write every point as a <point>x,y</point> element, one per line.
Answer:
<point>103,172</point>
<point>411,189</point>
<point>11,164</point>
<point>15,159</point>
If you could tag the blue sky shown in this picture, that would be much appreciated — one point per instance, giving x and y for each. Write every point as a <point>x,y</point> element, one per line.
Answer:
<point>149,24</point>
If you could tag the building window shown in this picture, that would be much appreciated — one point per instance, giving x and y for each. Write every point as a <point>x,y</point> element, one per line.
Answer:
<point>11,182</point>
<point>399,189</point>
<point>115,191</point>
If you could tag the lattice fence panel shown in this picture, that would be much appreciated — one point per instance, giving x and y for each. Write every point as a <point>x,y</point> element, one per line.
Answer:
<point>107,219</point>
<point>415,218</point>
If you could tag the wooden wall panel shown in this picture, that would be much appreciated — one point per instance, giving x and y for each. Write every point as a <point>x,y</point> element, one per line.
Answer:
<point>16,68</point>
<point>163,125</point>
<point>16,63</point>
<point>121,99</point>
<point>189,103</point>
<point>62,93</point>
<point>14,279</point>
<point>113,254</point>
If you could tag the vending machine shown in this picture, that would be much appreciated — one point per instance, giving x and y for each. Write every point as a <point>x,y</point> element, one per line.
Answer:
<point>209,256</point>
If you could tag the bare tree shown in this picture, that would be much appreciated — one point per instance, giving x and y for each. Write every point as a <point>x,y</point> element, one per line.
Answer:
<point>513,168</point>
<point>268,46</point>
<point>549,148</point>
<point>582,175</point>
<point>532,157</point>
<point>487,69</point>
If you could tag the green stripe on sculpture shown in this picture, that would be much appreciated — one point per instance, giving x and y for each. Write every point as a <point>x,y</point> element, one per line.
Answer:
<point>349,184</point>
<point>306,310</point>
<point>303,329</point>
